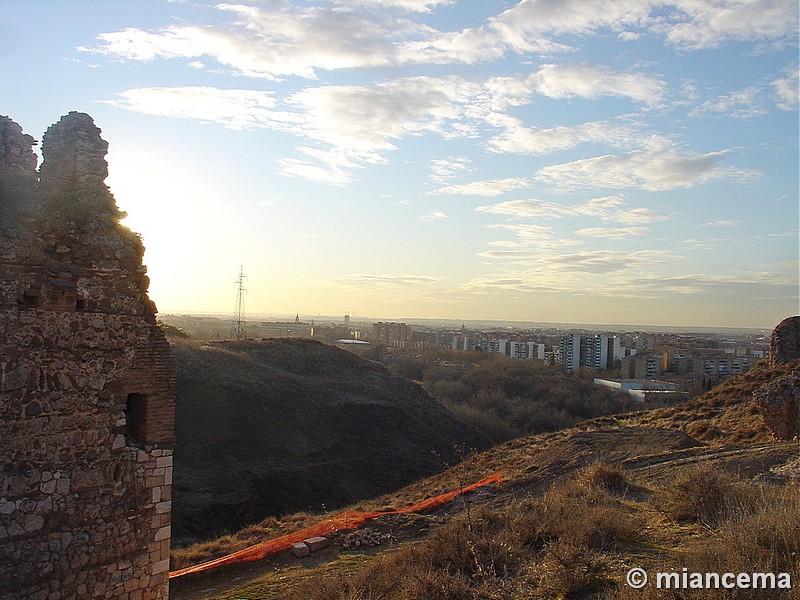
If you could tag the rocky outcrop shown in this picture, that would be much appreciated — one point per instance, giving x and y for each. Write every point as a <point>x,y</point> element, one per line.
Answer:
<point>779,401</point>
<point>785,342</point>
<point>87,383</point>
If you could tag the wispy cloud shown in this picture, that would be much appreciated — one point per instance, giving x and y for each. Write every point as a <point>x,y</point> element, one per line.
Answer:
<point>658,168</point>
<point>516,137</point>
<point>492,187</point>
<point>612,233</point>
<point>723,223</point>
<point>447,169</point>
<point>605,276</point>
<point>386,279</point>
<point>587,80</point>
<point>235,108</point>
<point>410,5</point>
<point>695,25</point>
<point>284,39</point>
<point>563,267</point>
<point>743,104</point>
<point>761,283</point>
<point>787,89</point>
<point>607,208</point>
<point>433,216</point>
<point>280,41</point>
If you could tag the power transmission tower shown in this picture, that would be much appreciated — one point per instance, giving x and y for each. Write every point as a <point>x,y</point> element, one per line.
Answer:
<point>239,320</point>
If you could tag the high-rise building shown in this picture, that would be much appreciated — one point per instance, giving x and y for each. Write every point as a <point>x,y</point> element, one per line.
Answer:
<point>601,352</point>
<point>569,351</point>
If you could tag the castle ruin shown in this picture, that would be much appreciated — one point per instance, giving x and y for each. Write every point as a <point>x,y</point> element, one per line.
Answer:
<point>87,382</point>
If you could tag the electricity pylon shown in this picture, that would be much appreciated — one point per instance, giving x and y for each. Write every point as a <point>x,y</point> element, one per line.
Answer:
<point>239,319</point>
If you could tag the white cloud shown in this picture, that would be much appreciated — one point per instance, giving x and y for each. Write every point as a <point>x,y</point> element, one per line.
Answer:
<point>608,208</point>
<point>447,169</point>
<point>526,231</point>
<point>517,138</point>
<point>410,5</point>
<point>344,128</point>
<point>587,80</point>
<point>235,109</point>
<point>603,262</point>
<point>493,187</point>
<point>556,264</point>
<point>612,233</point>
<point>764,284</point>
<point>284,39</point>
<point>723,223</point>
<point>787,89</point>
<point>386,279</point>
<point>529,237</point>
<point>358,125</point>
<point>272,42</point>
<point>658,168</point>
<point>433,216</point>
<point>629,36</point>
<point>636,215</point>
<point>329,173</point>
<point>742,104</point>
<point>699,24</point>
<point>522,209</point>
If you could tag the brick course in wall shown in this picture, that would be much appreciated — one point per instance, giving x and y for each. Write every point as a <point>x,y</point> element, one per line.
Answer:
<point>87,384</point>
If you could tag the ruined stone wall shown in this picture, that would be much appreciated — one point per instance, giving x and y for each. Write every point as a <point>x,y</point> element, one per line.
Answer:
<point>87,383</point>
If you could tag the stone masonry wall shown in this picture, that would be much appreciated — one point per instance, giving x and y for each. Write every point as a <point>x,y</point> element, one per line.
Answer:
<point>87,383</point>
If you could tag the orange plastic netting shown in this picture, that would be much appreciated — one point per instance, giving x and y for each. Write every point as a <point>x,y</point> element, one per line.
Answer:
<point>341,522</point>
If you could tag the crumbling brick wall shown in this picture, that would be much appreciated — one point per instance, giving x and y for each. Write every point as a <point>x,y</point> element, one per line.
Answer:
<point>87,382</point>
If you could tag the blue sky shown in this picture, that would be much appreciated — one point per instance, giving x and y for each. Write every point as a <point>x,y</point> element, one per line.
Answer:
<point>593,161</point>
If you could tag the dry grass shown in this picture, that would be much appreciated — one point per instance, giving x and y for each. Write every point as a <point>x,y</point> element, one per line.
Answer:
<point>607,477</point>
<point>542,547</point>
<point>705,495</point>
<point>724,414</point>
<point>249,536</point>
<point>752,528</point>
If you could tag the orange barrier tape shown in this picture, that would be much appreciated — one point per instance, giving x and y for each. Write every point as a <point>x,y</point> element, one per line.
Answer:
<point>341,522</point>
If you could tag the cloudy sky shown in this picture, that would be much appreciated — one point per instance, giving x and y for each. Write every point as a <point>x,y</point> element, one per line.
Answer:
<point>591,161</point>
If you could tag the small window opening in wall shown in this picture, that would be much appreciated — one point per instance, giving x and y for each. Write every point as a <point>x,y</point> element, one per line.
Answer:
<point>118,473</point>
<point>80,304</point>
<point>30,300</point>
<point>135,419</point>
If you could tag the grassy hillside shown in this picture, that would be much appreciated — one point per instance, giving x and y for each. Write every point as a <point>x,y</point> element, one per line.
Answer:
<point>580,508</point>
<point>272,427</point>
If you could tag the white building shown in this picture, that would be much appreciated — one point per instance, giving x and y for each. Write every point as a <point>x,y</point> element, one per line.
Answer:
<point>526,350</point>
<point>569,352</point>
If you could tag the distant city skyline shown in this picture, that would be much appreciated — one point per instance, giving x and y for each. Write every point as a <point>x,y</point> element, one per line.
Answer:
<point>593,161</point>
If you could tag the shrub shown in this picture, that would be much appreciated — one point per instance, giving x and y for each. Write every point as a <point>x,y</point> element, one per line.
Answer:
<point>603,476</point>
<point>759,533</point>
<point>703,495</point>
<point>552,546</point>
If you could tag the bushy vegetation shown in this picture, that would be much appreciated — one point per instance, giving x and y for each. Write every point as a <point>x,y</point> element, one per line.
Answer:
<point>553,546</point>
<point>579,538</point>
<point>751,528</point>
<point>505,398</point>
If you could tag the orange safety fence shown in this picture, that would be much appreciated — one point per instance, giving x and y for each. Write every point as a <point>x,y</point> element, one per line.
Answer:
<point>341,522</point>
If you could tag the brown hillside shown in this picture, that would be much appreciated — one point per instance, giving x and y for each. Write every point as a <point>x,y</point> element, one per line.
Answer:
<point>725,414</point>
<point>561,527</point>
<point>277,426</point>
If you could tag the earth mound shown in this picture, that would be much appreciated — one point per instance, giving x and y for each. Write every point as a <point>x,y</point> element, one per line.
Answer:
<point>275,426</point>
